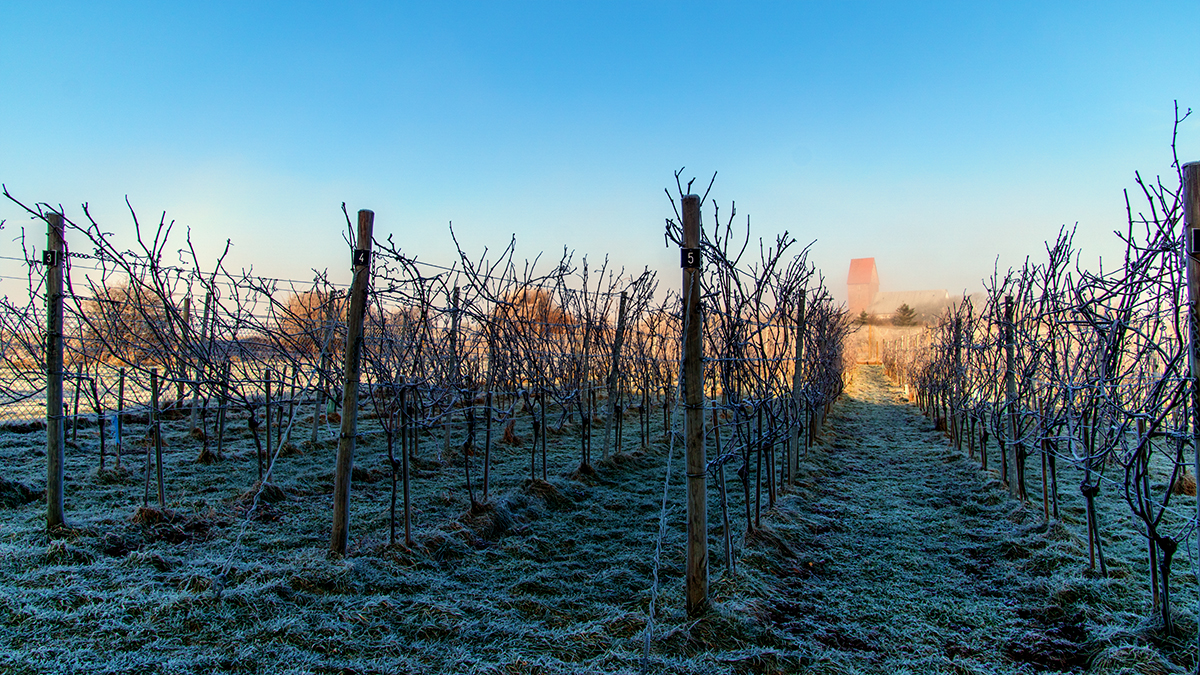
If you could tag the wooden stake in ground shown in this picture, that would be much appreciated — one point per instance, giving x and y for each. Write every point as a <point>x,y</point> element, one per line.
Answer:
<point>1191,231</point>
<point>614,373</point>
<point>797,393</point>
<point>99,419</point>
<point>354,337</point>
<point>156,430</point>
<point>181,357</point>
<point>200,369</point>
<point>448,418</point>
<point>693,383</point>
<point>118,425</point>
<point>1010,397</point>
<point>55,432</point>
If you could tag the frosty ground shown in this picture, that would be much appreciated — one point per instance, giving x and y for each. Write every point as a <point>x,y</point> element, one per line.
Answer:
<point>893,554</point>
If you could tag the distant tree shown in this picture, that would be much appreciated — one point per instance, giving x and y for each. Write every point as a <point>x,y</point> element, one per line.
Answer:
<point>863,318</point>
<point>305,320</point>
<point>904,316</point>
<point>532,312</point>
<point>126,322</point>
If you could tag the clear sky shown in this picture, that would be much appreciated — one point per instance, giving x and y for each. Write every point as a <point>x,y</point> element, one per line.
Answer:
<point>933,136</point>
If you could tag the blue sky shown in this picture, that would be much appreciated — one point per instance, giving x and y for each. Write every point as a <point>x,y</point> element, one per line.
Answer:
<point>933,136</point>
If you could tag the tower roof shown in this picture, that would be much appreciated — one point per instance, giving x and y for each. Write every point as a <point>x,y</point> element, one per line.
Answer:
<point>862,271</point>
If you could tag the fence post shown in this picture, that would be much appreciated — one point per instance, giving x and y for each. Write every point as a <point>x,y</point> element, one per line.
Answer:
<point>201,365</point>
<point>181,359</point>
<point>118,428</point>
<point>1010,396</point>
<point>797,395</point>
<point>614,373</point>
<point>99,420</point>
<point>1191,232</point>
<point>223,410</point>
<point>447,419</point>
<point>55,432</point>
<point>957,390</point>
<point>354,337</point>
<point>156,427</point>
<point>266,423</point>
<point>693,373</point>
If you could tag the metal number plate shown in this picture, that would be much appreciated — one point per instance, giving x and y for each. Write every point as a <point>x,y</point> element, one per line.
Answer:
<point>361,257</point>
<point>51,258</point>
<point>689,258</point>
<point>1194,241</point>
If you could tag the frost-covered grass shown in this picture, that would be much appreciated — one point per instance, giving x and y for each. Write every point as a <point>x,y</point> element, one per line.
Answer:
<point>552,578</point>
<point>894,554</point>
<point>930,567</point>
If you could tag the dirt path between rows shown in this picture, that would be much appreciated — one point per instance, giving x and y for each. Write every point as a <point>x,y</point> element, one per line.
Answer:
<point>908,558</point>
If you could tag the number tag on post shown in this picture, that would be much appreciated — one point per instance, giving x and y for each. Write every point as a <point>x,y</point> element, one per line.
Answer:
<point>689,258</point>
<point>361,257</point>
<point>51,258</point>
<point>1194,241</point>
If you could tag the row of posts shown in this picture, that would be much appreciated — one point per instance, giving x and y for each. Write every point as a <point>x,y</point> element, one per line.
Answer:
<point>696,460</point>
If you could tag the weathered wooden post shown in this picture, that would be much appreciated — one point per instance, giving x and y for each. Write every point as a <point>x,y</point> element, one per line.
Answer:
<point>286,433</point>
<point>956,386</point>
<point>406,441</point>
<point>200,367</point>
<point>56,439</point>
<point>797,393</point>
<point>614,373</point>
<point>223,410</point>
<point>1191,232</point>
<point>354,338</point>
<point>1010,398</point>
<point>693,374</point>
<point>266,423</point>
<point>99,420</point>
<point>181,357</point>
<point>156,427</point>
<point>448,418</point>
<point>118,425</point>
<point>319,398</point>
<point>487,443</point>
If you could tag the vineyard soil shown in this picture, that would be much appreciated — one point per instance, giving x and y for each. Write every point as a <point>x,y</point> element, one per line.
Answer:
<point>894,554</point>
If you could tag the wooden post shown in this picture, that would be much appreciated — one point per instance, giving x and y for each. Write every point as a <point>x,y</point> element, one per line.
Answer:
<point>797,393</point>
<point>319,399</point>
<point>956,385</point>
<point>291,416</point>
<point>55,432</point>
<point>1191,232</point>
<point>118,439</point>
<point>199,374</point>
<point>406,441</point>
<point>181,359</point>
<point>1010,396</point>
<point>223,410</point>
<point>156,427</point>
<point>724,495</point>
<point>693,373</point>
<point>447,419</point>
<point>267,423</point>
<point>149,432</point>
<point>99,420</point>
<point>542,410</point>
<point>487,444</point>
<point>354,337</point>
<point>614,373</point>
